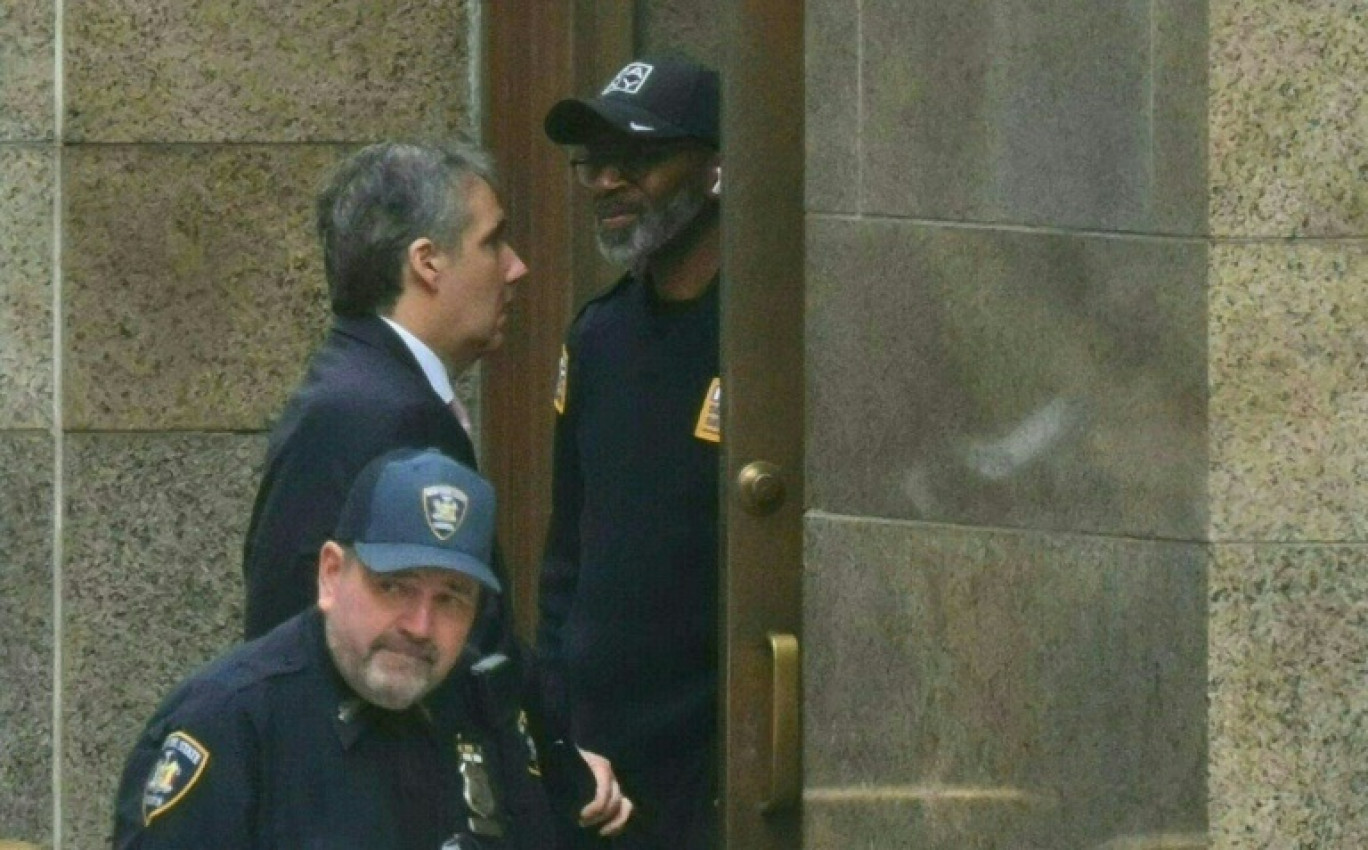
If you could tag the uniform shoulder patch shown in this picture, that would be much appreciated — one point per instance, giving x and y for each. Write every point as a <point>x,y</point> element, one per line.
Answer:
<point>709,425</point>
<point>182,763</point>
<point>562,380</point>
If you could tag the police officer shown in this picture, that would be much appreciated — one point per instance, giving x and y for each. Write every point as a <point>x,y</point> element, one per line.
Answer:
<point>324,732</point>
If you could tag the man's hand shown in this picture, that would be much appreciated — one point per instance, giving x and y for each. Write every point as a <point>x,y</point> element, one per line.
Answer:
<point>609,810</point>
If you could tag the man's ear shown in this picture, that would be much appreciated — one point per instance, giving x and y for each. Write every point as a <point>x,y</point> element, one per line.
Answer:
<point>716,189</point>
<point>331,561</point>
<point>424,261</point>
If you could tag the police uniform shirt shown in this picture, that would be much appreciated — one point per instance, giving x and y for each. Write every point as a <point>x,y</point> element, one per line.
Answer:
<point>268,748</point>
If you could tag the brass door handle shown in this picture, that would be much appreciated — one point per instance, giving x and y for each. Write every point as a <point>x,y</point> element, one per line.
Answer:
<point>786,779</point>
<point>761,487</point>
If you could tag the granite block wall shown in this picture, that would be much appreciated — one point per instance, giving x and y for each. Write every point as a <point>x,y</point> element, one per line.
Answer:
<point>1002,688</point>
<point>1085,336</point>
<point>1288,203</point>
<point>161,291</point>
<point>26,654</point>
<point>1007,474</point>
<point>28,181</point>
<point>688,25</point>
<point>1008,459</point>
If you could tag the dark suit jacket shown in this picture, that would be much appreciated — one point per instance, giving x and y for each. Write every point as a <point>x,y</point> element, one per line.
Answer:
<point>364,395</point>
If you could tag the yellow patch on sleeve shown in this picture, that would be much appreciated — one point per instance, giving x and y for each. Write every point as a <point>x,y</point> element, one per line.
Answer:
<point>182,763</point>
<point>562,380</point>
<point>709,425</point>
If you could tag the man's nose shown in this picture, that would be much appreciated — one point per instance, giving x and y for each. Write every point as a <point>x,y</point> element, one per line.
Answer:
<point>607,177</point>
<point>416,620</point>
<point>517,269</point>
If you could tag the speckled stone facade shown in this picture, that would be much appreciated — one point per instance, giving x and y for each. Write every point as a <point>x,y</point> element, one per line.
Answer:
<point>993,696</point>
<point>152,588</point>
<point>27,179</point>
<point>160,291</point>
<point>1289,390</point>
<point>255,71</point>
<point>1007,451</point>
<point>1085,340</point>
<point>1288,422</point>
<point>1289,136</point>
<point>201,311</point>
<point>1289,761</point>
<point>27,28</point>
<point>690,26</point>
<point>26,653</point>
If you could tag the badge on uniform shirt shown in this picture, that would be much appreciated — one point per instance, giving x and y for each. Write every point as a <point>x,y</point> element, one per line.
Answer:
<point>562,380</point>
<point>478,790</point>
<point>710,416</point>
<point>533,763</point>
<point>182,762</point>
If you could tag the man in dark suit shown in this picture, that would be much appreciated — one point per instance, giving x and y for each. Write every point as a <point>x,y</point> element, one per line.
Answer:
<point>419,275</point>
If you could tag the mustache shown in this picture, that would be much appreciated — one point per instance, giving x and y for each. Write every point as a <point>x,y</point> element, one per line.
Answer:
<point>608,208</point>
<point>420,650</point>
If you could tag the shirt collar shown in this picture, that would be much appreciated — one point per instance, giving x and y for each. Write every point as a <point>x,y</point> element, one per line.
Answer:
<point>433,368</point>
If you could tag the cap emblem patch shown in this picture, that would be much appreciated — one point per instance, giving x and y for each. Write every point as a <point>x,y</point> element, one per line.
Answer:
<point>630,79</point>
<point>444,508</point>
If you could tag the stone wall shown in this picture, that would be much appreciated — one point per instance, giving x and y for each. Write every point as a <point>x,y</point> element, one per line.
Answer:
<point>161,290</point>
<point>1085,358</point>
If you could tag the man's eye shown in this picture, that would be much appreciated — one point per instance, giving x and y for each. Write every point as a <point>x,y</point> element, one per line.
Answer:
<point>456,600</point>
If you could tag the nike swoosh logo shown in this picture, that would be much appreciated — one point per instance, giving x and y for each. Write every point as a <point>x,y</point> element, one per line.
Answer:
<point>639,128</point>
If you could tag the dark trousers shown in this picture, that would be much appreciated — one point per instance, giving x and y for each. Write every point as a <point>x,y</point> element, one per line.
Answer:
<point>675,802</point>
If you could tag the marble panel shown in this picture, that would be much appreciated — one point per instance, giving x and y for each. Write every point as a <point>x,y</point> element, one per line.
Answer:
<point>1080,115</point>
<point>1289,708</point>
<point>1039,690</point>
<point>152,589</point>
<point>1004,378</point>
<point>26,656</point>
<point>193,282</point>
<point>26,70</point>
<point>928,819</point>
<point>1288,399</point>
<point>833,105</point>
<point>261,71</point>
<point>691,26</point>
<point>27,177</point>
<point>1288,134</point>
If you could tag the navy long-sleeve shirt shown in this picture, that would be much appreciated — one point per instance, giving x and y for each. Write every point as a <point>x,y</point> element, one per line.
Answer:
<point>628,630</point>
<point>268,748</point>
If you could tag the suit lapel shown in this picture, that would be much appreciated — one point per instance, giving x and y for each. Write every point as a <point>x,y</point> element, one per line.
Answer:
<point>373,332</point>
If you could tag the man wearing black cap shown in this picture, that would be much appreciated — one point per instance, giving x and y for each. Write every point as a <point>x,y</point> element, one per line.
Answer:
<point>320,733</point>
<point>628,631</point>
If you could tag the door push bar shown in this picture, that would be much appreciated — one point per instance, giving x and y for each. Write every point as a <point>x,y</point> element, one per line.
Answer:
<point>786,779</point>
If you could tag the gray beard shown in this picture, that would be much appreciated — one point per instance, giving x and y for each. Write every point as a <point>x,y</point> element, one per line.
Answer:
<point>656,228</point>
<point>372,684</point>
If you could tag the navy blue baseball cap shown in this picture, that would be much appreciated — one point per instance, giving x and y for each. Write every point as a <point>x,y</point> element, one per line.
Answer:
<point>419,509</point>
<point>655,97</point>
